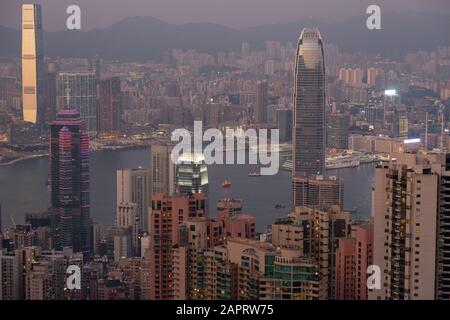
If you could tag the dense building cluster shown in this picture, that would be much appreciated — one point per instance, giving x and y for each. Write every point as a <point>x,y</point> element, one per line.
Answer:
<point>332,109</point>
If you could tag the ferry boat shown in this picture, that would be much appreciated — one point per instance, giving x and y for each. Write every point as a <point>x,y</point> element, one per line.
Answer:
<point>341,162</point>
<point>226,183</point>
<point>330,163</point>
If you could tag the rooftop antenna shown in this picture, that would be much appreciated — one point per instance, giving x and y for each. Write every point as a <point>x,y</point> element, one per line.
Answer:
<point>426,131</point>
<point>442,131</point>
<point>67,96</point>
<point>12,220</point>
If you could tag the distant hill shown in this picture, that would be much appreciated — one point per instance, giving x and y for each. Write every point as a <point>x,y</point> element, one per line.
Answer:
<point>142,38</point>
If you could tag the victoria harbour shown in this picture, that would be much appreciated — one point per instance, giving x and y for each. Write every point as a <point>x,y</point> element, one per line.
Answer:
<point>23,188</point>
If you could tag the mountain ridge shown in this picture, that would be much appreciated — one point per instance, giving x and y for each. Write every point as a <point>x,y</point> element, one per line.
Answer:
<point>150,37</point>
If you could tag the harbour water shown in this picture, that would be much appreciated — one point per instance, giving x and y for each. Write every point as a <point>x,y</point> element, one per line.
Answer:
<point>23,188</point>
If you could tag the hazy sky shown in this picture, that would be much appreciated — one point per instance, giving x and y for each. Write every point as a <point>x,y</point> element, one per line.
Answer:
<point>233,13</point>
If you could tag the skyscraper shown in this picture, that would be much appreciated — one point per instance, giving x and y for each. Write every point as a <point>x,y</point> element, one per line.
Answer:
<point>411,213</point>
<point>32,64</point>
<point>162,169</point>
<point>284,124</point>
<point>337,130</point>
<point>317,190</point>
<point>78,90</point>
<point>133,189</point>
<point>69,170</point>
<point>168,214</point>
<point>192,174</point>
<point>109,106</point>
<point>262,89</point>
<point>308,153</point>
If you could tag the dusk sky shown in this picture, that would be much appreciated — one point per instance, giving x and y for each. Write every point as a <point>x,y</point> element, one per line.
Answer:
<point>232,13</point>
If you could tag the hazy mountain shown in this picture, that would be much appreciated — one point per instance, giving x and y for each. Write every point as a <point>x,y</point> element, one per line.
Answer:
<point>141,38</point>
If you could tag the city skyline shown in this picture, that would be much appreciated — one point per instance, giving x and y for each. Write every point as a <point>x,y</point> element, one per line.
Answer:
<point>105,199</point>
<point>205,11</point>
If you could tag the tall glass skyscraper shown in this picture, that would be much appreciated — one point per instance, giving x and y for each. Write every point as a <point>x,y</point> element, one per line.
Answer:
<point>308,152</point>
<point>78,90</point>
<point>262,89</point>
<point>192,174</point>
<point>32,64</point>
<point>69,169</point>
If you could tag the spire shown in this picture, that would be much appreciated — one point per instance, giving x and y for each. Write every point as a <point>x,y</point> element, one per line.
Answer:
<point>67,96</point>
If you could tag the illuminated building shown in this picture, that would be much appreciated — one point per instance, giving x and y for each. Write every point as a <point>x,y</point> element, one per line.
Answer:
<point>32,64</point>
<point>69,175</point>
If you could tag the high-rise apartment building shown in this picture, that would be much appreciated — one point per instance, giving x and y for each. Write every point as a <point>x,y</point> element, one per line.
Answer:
<point>162,169</point>
<point>78,90</point>
<point>10,277</point>
<point>353,256</point>
<point>315,232</point>
<point>289,276</point>
<point>410,211</point>
<point>32,64</point>
<point>69,175</point>
<point>167,216</point>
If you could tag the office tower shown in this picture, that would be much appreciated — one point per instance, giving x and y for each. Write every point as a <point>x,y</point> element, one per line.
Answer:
<point>32,64</point>
<point>96,239</point>
<point>353,256</point>
<point>315,232</point>
<point>337,130</point>
<point>192,174</point>
<point>284,124</point>
<point>50,96</point>
<point>69,176</point>
<point>78,90</point>
<point>262,99</point>
<point>109,106</point>
<point>133,188</point>
<point>168,214</point>
<point>123,242</point>
<point>127,218</point>
<point>308,152</point>
<point>10,277</point>
<point>162,169</point>
<point>317,191</point>
<point>10,93</point>
<point>410,211</point>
